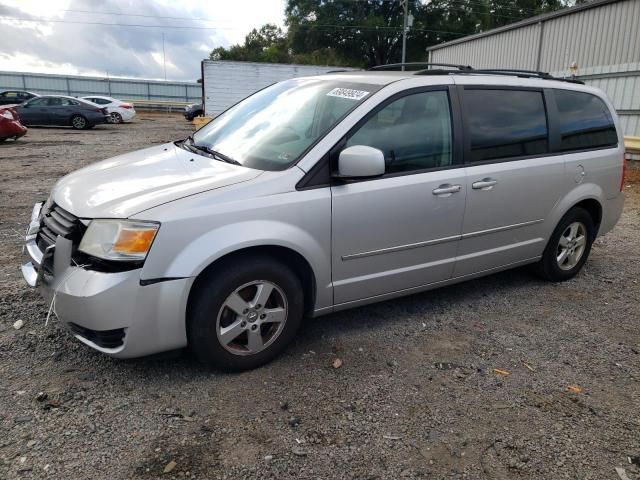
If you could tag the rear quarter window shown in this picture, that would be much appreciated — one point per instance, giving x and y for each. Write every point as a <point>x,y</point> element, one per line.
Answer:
<point>505,123</point>
<point>584,121</point>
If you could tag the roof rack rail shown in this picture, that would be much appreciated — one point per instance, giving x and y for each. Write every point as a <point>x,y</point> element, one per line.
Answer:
<point>467,69</point>
<point>524,74</point>
<point>392,66</point>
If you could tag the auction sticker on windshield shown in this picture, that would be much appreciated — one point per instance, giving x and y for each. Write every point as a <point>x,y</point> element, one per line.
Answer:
<point>348,93</point>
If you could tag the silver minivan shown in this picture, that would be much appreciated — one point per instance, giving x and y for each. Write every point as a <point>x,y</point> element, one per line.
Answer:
<point>323,193</point>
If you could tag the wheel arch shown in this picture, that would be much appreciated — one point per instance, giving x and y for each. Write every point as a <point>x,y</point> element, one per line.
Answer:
<point>587,196</point>
<point>594,207</point>
<point>287,256</point>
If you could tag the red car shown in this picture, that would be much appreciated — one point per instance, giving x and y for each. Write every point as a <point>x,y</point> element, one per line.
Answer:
<point>10,126</point>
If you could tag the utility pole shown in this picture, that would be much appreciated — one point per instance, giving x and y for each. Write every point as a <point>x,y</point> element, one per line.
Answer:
<point>164,59</point>
<point>405,6</point>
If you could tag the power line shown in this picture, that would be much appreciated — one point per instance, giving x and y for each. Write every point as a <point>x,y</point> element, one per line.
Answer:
<point>205,19</point>
<point>198,27</point>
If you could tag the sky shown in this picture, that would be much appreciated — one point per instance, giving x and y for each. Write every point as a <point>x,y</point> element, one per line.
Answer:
<point>75,37</point>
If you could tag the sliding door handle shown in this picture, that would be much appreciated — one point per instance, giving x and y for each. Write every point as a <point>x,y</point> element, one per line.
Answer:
<point>447,189</point>
<point>484,184</point>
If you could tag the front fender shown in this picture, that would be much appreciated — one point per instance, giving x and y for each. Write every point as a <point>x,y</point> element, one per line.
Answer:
<point>215,244</point>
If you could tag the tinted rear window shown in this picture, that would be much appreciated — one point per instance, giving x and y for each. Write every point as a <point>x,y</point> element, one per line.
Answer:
<point>585,121</point>
<point>505,123</point>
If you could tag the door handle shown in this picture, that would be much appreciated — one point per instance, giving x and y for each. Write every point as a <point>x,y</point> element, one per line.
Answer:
<point>484,184</point>
<point>447,189</point>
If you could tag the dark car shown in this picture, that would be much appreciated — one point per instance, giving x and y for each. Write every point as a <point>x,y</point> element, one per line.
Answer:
<point>192,111</point>
<point>15,97</point>
<point>59,110</point>
<point>10,126</point>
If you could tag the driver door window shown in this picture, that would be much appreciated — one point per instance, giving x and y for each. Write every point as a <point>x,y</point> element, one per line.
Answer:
<point>413,132</point>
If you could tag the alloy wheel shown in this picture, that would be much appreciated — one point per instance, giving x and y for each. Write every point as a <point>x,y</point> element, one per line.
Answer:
<point>79,122</point>
<point>571,246</point>
<point>252,317</point>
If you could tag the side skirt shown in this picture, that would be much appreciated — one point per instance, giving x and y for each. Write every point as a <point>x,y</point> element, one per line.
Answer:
<point>420,288</point>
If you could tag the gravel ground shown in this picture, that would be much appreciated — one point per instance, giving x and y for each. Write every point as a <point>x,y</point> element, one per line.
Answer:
<point>416,396</point>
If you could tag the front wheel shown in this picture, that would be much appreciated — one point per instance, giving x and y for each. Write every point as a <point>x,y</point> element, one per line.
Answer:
<point>245,313</point>
<point>568,247</point>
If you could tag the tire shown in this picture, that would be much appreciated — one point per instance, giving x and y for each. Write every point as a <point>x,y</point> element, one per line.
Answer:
<point>557,264</point>
<point>213,323</point>
<point>79,122</point>
<point>116,117</point>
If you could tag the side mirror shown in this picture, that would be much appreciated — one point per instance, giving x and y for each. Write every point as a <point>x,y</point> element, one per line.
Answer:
<point>360,161</point>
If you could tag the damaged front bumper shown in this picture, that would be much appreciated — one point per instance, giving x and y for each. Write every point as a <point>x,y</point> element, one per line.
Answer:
<point>110,312</point>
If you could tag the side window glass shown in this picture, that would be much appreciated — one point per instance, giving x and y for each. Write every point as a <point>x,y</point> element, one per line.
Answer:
<point>413,132</point>
<point>55,102</point>
<point>38,102</point>
<point>505,123</point>
<point>585,121</point>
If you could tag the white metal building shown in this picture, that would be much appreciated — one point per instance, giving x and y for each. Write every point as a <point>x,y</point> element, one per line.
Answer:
<point>602,37</point>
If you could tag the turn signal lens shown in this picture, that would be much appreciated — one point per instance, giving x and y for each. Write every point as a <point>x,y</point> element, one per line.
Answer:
<point>134,241</point>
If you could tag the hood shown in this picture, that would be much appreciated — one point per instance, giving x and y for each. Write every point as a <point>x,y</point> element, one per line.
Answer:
<point>128,184</point>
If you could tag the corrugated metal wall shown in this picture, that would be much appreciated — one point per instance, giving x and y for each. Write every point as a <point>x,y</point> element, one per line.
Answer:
<point>76,86</point>
<point>603,39</point>
<point>606,35</point>
<point>511,49</point>
<point>227,82</point>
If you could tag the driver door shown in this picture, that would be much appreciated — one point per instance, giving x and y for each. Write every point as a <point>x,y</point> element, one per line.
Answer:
<point>400,231</point>
<point>34,112</point>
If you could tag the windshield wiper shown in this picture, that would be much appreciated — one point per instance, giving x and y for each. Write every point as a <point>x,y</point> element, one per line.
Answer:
<point>203,148</point>
<point>214,154</point>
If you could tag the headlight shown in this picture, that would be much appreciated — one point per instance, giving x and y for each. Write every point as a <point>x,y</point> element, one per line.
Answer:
<point>118,239</point>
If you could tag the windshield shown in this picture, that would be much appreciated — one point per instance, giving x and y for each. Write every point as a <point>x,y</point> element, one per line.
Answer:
<point>271,129</point>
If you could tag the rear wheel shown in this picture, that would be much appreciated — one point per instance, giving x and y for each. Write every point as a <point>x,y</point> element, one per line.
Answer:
<point>79,122</point>
<point>568,247</point>
<point>245,313</point>
<point>116,117</point>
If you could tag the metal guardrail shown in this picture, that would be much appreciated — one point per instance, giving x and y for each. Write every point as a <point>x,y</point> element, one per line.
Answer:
<point>158,105</point>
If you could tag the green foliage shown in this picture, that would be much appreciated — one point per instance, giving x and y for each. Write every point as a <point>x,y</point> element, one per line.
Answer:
<point>363,33</point>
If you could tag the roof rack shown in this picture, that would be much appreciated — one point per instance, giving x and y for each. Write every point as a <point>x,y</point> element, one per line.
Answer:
<point>499,71</point>
<point>523,74</point>
<point>392,66</point>
<point>467,69</point>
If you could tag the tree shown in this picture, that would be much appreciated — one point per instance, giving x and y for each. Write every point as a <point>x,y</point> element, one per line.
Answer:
<point>269,44</point>
<point>364,33</point>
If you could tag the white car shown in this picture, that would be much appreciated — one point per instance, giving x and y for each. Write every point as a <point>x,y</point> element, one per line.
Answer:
<point>120,111</point>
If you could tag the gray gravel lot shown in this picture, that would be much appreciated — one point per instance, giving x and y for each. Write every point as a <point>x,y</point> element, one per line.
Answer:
<point>417,395</point>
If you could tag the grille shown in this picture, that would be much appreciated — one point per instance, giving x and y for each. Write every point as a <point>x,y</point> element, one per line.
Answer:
<point>102,338</point>
<point>57,221</point>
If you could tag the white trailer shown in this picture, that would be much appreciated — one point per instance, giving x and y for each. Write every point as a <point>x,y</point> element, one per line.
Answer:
<point>225,83</point>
